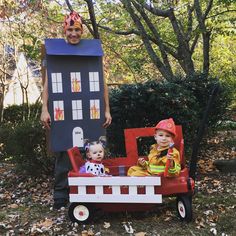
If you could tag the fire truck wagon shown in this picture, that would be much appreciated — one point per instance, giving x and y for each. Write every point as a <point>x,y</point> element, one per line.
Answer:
<point>119,192</point>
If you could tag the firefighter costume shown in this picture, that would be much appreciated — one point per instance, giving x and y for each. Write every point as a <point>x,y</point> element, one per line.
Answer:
<point>158,156</point>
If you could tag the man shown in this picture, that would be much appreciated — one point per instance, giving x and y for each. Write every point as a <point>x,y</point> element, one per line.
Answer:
<point>73,30</point>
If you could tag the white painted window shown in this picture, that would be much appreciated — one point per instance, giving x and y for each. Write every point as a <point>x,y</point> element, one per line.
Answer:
<point>75,79</point>
<point>58,108</point>
<point>77,112</point>
<point>57,83</point>
<point>94,82</point>
<point>95,109</point>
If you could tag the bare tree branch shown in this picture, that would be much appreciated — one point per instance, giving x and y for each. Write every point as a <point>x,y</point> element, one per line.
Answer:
<point>156,60</point>
<point>183,50</point>
<point>156,11</point>
<point>209,6</point>
<point>132,31</point>
<point>221,13</point>
<point>5,73</point>
<point>190,22</point>
<point>156,36</point>
<point>205,33</point>
<point>69,5</point>
<point>93,19</point>
<point>194,43</point>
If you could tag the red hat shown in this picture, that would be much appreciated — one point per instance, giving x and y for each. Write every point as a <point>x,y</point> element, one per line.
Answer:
<point>167,125</point>
<point>73,19</point>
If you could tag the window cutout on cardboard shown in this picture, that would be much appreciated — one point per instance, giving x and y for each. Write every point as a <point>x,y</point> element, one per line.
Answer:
<point>78,137</point>
<point>58,108</point>
<point>75,79</point>
<point>77,112</point>
<point>57,83</point>
<point>94,82</point>
<point>94,109</point>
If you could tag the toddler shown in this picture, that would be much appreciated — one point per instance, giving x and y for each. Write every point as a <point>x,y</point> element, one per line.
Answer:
<point>95,154</point>
<point>163,157</point>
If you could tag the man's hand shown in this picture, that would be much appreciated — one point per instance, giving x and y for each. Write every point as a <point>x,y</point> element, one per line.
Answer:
<point>108,119</point>
<point>46,119</point>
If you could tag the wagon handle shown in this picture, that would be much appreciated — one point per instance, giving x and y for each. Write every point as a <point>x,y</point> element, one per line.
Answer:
<point>194,156</point>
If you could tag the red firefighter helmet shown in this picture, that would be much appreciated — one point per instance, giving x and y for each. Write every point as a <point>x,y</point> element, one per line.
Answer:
<point>167,125</point>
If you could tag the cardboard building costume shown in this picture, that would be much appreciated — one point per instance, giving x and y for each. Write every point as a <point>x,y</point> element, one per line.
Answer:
<point>76,92</point>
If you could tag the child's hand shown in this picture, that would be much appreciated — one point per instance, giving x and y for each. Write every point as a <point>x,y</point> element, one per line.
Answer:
<point>142,162</point>
<point>170,158</point>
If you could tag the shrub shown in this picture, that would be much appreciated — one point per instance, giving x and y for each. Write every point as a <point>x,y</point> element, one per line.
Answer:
<point>15,114</point>
<point>144,104</point>
<point>25,145</point>
<point>132,106</point>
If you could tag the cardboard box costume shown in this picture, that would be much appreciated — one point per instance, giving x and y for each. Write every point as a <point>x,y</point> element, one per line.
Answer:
<point>76,92</point>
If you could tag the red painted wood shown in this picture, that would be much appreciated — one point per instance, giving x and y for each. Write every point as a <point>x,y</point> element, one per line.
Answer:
<point>75,158</point>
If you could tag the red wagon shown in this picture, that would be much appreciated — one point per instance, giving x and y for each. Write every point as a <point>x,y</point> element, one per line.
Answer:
<point>119,192</point>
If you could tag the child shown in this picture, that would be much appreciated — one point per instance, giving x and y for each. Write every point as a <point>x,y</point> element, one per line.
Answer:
<point>160,154</point>
<point>95,155</point>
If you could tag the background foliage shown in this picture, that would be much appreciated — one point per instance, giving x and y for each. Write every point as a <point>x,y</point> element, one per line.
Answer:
<point>132,106</point>
<point>24,142</point>
<point>144,104</point>
<point>145,96</point>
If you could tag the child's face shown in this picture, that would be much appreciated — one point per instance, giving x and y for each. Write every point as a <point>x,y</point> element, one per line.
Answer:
<point>163,138</point>
<point>96,152</point>
<point>73,34</point>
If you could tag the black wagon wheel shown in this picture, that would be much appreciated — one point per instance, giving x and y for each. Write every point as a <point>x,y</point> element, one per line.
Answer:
<point>184,207</point>
<point>80,212</point>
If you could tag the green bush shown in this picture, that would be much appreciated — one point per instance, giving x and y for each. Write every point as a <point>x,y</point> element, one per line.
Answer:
<point>144,104</point>
<point>138,105</point>
<point>23,141</point>
<point>5,132</point>
<point>25,145</point>
<point>15,114</point>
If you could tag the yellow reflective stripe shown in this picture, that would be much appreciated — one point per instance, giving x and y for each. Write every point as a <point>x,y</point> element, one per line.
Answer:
<point>160,169</point>
<point>157,167</point>
<point>175,169</point>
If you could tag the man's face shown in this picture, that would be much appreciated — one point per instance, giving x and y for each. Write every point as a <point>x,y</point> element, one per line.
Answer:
<point>163,138</point>
<point>73,34</point>
<point>96,152</point>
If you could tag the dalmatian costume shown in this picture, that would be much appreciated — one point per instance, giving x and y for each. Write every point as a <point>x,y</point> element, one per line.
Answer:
<point>94,167</point>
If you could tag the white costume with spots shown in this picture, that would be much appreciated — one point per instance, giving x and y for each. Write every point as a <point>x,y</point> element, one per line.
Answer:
<point>96,168</point>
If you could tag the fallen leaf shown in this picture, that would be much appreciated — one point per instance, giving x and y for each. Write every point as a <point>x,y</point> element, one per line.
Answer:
<point>200,223</point>
<point>140,234</point>
<point>47,223</point>
<point>84,233</point>
<point>213,231</point>
<point>106,225</point>
<point>13,206</point>
<point>128,228</point>
<point>167,219</point>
